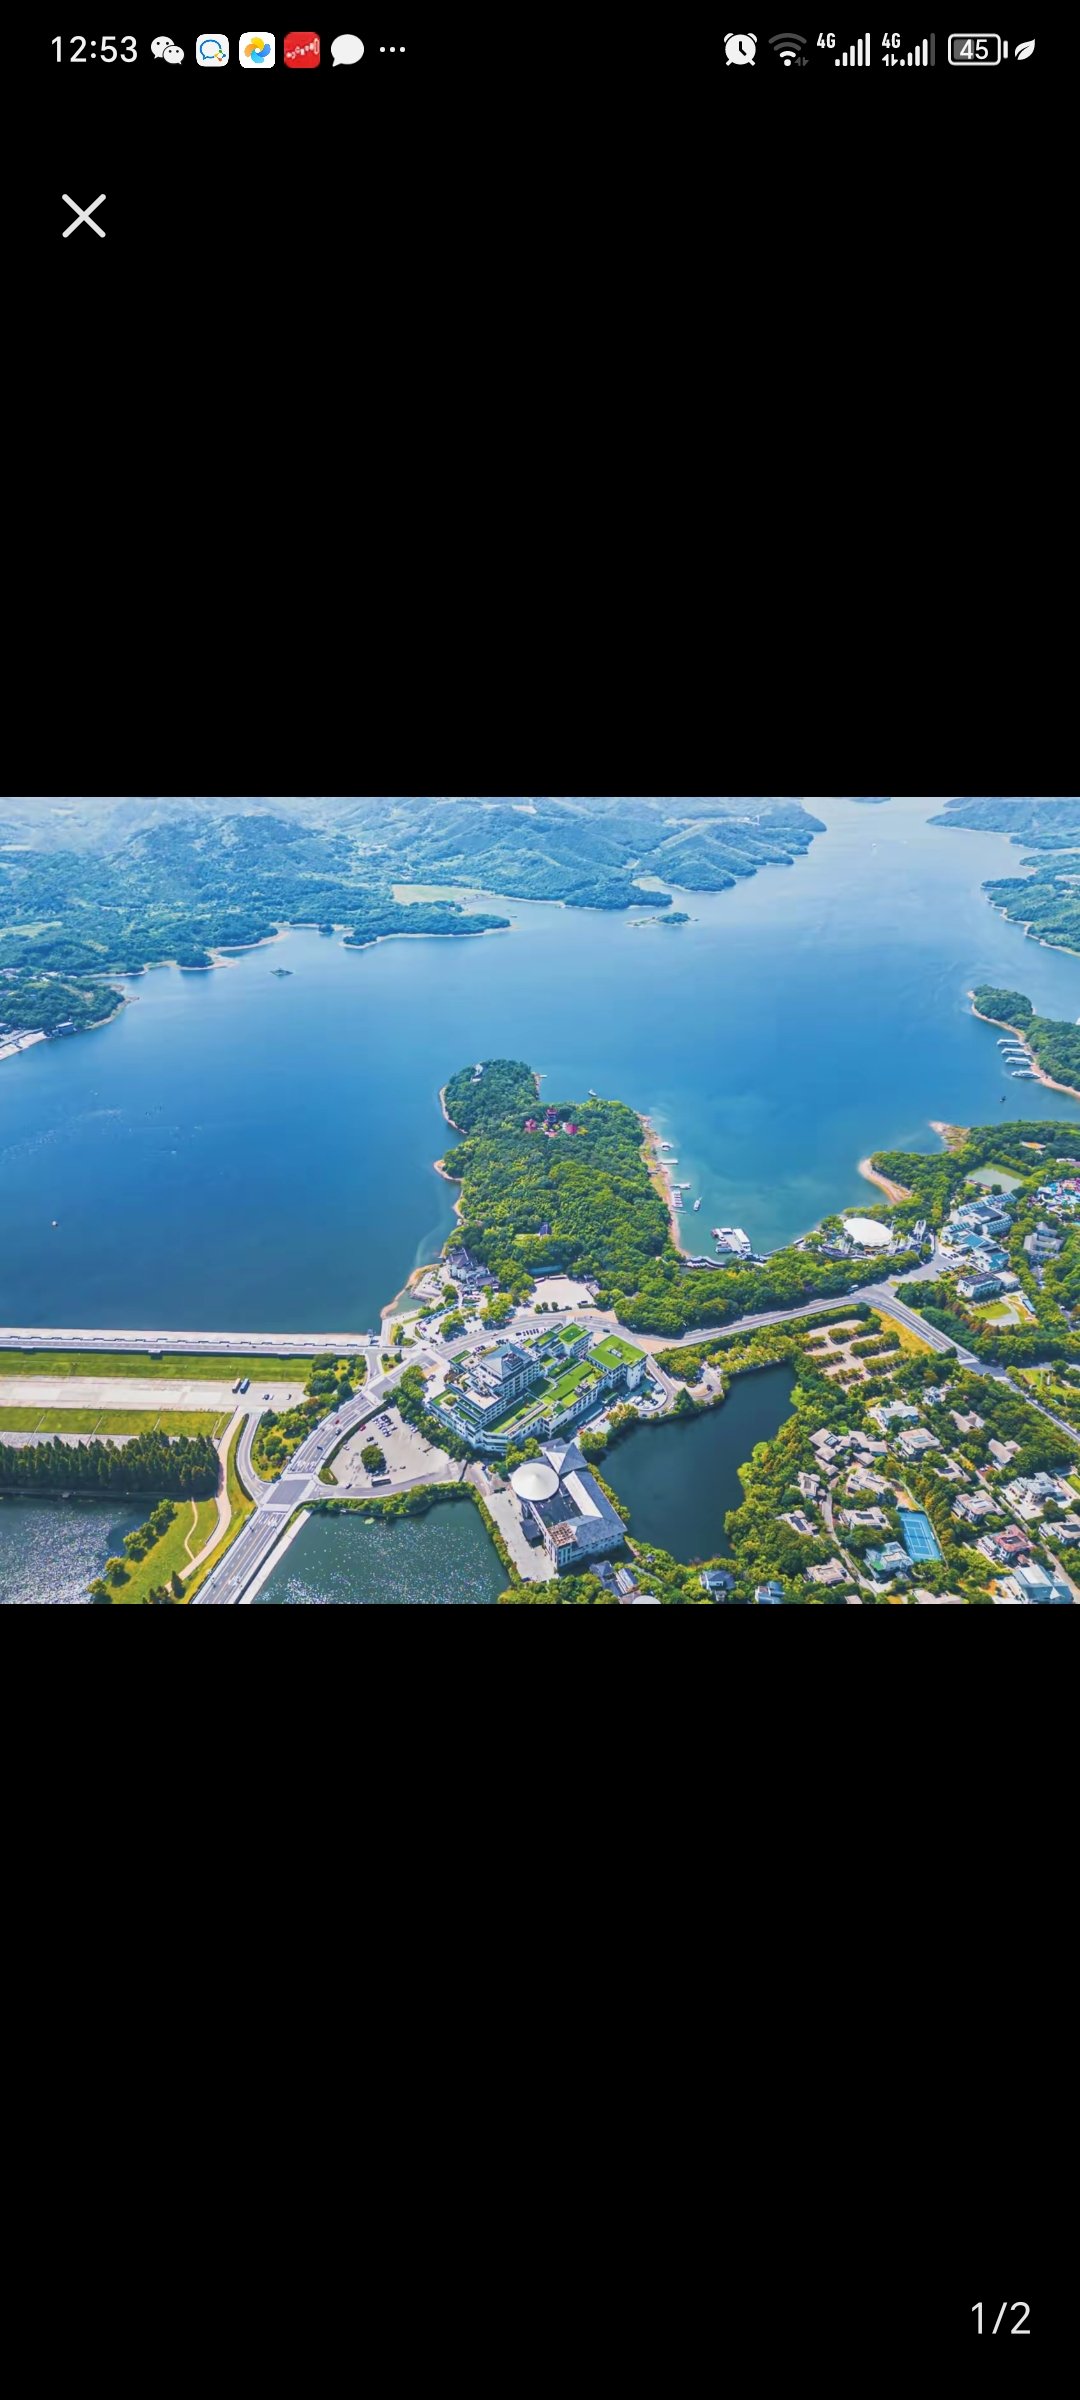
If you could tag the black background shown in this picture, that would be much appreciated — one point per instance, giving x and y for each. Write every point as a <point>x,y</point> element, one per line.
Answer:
<point>552,408</point>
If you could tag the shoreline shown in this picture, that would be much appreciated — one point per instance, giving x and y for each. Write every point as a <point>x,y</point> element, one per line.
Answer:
<point>1040,1073</point>
<point>276,1555</point>
<point>660,1184</point>
<point>428,1265</point>
<point>953,1136</point>
<point>895,1193</point>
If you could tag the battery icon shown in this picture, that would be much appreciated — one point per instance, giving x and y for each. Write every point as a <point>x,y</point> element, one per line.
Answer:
<point>976,49</point>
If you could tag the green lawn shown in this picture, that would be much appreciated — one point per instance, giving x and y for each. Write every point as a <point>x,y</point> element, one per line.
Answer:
<point>174,1366</point>
<point>614,1352</point>
<point>241,1509</point>
<point>170,1552</point>
<point>106,1421</point>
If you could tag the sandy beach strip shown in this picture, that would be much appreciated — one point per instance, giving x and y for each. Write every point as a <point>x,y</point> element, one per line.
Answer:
<point>893,1191</point>
<point>661,1181</point>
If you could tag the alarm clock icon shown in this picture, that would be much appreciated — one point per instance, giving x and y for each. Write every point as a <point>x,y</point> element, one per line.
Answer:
<point>740,49</point>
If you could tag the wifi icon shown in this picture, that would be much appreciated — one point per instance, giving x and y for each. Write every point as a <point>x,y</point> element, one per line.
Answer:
<point>787,46</point>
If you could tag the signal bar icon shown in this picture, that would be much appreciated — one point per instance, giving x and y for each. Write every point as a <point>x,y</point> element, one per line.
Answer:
<point>787,46</point>
<point>922,55</point>
<point>857,56</point>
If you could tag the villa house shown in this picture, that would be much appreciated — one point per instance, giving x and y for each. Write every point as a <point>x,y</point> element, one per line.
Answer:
<point>862,1479</point>
<point>973,1506</point>
<point>892,1559</point>
<point>1042,1243</point>
<point>1034,1584</point>
<point>1067,1531</point>
<point>917,1442</point>
<point>769,1595</point>
<point>886,1412</point>
<point>717,1581</point>
<point>798,1521</point>
<point>971,1423</point>
<point>830,1571</point>
<point>809,1485</point>
<point>865,1516</point>
<point>1027,1494</point>
<point>467,1272</point>
<point>1006,1548</point>
<point>1002,1452</point>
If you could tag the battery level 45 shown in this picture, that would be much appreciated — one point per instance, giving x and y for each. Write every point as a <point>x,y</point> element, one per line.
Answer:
<point>983,49</point>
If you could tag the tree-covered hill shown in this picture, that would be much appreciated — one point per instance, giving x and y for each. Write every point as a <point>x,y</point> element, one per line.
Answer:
<point>578,1169</point>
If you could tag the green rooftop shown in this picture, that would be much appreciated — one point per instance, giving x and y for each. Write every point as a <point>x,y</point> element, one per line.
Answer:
<point>614,1352</point>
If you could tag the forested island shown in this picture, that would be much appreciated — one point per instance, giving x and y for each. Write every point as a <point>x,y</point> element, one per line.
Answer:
<point>579,1171</point>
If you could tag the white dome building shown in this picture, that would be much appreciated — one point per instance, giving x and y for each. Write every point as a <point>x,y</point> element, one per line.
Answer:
<point>535,1480</point>
<point>867,1233</point>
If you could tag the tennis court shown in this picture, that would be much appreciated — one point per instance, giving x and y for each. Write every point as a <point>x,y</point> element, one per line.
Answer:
<point>918,1536</point>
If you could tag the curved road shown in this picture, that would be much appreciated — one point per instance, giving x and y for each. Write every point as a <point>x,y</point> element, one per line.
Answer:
<point>276,1503</point>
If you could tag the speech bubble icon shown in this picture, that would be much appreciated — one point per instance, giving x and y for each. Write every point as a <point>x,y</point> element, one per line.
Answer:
<point>346,49</point>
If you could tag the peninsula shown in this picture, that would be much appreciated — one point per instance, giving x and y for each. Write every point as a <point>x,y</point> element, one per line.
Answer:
<point>1051,1046</point>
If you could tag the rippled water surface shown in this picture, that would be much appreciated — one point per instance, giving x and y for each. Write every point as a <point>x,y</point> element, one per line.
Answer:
<point>52,1549</point>
<point>445,1556</point>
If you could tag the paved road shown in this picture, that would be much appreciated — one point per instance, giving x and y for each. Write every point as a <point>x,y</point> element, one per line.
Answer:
<point>152,1393</point>
<point>277,1345</point>
<point>277,1502</point>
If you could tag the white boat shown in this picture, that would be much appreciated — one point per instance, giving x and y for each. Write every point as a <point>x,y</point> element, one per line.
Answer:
<point>697,1204</point>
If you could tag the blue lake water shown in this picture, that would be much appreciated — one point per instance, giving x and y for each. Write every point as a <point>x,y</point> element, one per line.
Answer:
<point>679,1480</point>
<point>53,1549</point>
<point>444,1557</point>
<point>245,1153</point>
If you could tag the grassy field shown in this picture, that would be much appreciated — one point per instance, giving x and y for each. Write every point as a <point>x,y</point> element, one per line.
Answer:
<point>104,1421</point>
<point>241,1509</point>
<point>1065,1397</point>
<point>196,1518</point>
<point>175,1366</point>
<point>906,1338</point>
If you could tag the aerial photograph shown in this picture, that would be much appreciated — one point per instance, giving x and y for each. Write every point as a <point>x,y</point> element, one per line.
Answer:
<point>392,1213</point>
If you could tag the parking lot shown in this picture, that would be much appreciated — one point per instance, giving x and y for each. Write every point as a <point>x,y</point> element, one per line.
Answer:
<point>406,1452</point>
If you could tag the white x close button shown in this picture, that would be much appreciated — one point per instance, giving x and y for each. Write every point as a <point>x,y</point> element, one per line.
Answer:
<point>83,216</point>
